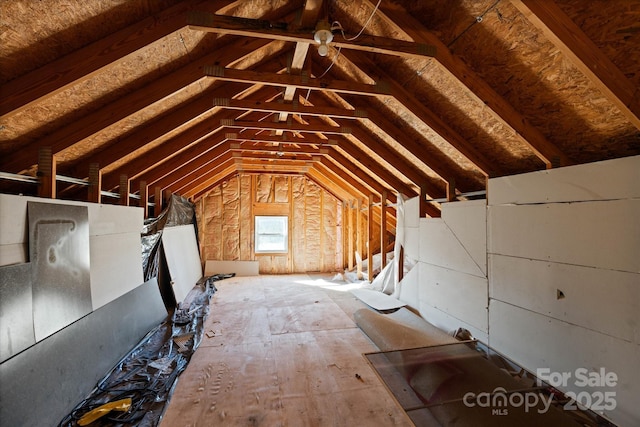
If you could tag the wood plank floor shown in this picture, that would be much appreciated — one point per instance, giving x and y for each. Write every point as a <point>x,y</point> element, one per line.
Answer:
<point>282,351</point>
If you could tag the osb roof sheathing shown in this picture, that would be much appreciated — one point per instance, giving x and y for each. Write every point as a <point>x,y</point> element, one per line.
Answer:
<point>501,96</point>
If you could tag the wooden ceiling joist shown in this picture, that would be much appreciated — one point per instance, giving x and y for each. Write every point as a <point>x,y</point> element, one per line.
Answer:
<point>290,108</point>
<point>289,125</point>
<point>297,81</point>
<point>585,55</point>
<point>286,138</point>
<point>220,24</point>
<point>284,149</point>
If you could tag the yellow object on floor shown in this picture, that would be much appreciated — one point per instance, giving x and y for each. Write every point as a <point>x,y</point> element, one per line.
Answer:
<point>119,405</point>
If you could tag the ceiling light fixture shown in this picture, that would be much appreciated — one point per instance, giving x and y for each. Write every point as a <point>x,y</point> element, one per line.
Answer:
<point>323,36</point>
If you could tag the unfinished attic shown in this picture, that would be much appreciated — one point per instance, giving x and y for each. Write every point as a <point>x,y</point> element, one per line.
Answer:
<point>319,213</point>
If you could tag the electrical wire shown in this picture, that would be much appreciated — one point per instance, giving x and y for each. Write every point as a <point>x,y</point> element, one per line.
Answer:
<point>375,9</point>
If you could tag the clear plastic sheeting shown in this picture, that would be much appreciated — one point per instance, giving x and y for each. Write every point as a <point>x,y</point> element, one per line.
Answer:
<point>148,373</point>
<point>150,261</point>
<point>180,211</point>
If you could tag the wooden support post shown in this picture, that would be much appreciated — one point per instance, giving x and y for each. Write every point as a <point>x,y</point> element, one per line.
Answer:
<point>350,235</point>
<point>383,230</point>
<point>46,173</point>
<point>370,240</point>
<point>359,237</point>
<point>124,190</point>
<point>95,184</point>
<point>144,198</point>
<point>157,200</point>
<point>423,201</point>
<point>451,190</point>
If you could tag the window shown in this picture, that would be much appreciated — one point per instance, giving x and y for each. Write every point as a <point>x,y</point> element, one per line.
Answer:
<point>272,234</point>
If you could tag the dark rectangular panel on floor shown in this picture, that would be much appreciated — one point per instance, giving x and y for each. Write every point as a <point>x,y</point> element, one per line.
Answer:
<point>41,385</point>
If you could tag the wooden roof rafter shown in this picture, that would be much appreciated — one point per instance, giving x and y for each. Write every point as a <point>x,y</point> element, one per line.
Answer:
<point>501,109</point>
<point>584,54</point>
<point>83,63</point>
<point>123,107</point>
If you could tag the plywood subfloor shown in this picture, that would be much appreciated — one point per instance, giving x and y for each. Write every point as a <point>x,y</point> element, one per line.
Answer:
<point>282,351</point>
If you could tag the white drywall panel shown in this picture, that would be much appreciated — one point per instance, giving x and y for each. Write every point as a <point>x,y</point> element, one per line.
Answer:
<point>461,295</point>
<point>114,219</point>
<point>606,301</point>
<point>14,253</point>
<point>116,266</point>
<point>603,234</point>
<point>412,243</point>
<point>439,246</point>
<point>183,259</point>
<point>468,223</point>
<point>412,212</point>
<point>409,287</point>
<point>449,323</point>
<point>377,299</point>
<point>13,217</point>
<point>240,268</point>
<point>606,180</point>
<point>536,341</point>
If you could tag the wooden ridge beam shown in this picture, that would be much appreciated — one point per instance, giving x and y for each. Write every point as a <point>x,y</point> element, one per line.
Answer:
<point>301,81</point>
<point>81,64</point>
<point>221,24</point>
<point>585,55</point>
<point>485,94</point>
<point>127,105</point>
<point>290,108</point>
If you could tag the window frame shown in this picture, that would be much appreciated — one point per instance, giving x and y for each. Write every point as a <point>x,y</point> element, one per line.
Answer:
<point>257,235</point>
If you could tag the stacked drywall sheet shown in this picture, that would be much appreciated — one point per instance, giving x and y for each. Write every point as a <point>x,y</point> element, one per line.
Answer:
<point>448,286</point>
<point>564,264</point>
<point>239,268</point>
<point>183,258</point>
<point>114,243</point>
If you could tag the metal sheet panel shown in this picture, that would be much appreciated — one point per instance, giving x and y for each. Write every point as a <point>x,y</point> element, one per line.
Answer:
<point>42,384</point>
<point>16,321</point>
<point>59,253</point>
